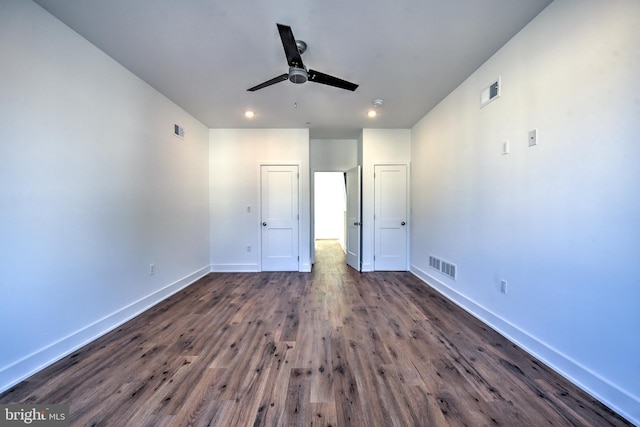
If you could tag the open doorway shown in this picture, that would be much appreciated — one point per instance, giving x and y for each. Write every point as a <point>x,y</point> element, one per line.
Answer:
<point>330,206</point>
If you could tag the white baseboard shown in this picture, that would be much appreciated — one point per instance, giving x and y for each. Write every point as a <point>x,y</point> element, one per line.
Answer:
<point>615,398</point>
<point>366,267</point>
<point>234,268</point>
<point>22,369</point>
<point>248,268</point>
<point>305,268</point>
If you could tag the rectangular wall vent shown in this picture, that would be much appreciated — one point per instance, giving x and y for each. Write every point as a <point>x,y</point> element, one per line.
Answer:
<point>178,131</point>
<point>443,267</point>
<point>434,262</point>
<point>490,93</point>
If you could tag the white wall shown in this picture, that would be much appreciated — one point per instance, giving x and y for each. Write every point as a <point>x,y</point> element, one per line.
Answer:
<point>379,146</point>
<point>560,221</point>
<point>93,189</point>
<point>235,158</point>
<point>333,155</point>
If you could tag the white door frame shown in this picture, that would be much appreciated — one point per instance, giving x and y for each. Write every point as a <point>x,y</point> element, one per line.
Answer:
<point>354,219</point>
<point>407,211</point>
<point>300,202</point>
<point>312,209</point>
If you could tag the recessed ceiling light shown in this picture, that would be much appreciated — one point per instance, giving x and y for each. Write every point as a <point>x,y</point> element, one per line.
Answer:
<point>377,104</point>
<point>248,114</point>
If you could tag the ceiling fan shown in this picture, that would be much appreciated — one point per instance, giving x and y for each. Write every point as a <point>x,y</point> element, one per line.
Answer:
<point>298,73</point>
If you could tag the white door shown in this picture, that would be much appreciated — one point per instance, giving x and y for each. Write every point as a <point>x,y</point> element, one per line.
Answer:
<point>354,216</point>
<point>279,217</point>
<point>390,217</point>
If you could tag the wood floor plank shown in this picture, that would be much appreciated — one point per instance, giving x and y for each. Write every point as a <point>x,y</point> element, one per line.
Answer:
<point>297,408</point>
<point>334,347</point>
<point>349,409</point>
<point>321,373</point>
<point>272,403</point>
<point>426,407</point>
<point>323,414</point>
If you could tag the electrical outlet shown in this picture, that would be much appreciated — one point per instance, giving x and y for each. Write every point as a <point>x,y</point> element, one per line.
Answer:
<point>503,286</point>
<point>533,137</point>
<point>505,147</point>
<point>152,269</point>
<point>248,248</point>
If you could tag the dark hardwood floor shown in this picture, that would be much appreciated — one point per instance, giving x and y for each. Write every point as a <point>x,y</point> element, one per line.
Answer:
<point>332,347</point>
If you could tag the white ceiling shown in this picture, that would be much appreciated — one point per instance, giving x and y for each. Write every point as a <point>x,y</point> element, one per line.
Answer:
<point>204,54</point>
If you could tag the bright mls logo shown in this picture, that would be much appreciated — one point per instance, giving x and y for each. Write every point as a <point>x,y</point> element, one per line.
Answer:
<point>34,415</point>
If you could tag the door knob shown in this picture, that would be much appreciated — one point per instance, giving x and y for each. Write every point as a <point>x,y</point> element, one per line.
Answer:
<point>402,223</point>
<point>264,224</point>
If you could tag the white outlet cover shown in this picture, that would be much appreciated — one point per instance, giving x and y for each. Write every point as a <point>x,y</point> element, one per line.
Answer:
<point>505,147</point>
<point>533,137</point>
<point>503,286</point>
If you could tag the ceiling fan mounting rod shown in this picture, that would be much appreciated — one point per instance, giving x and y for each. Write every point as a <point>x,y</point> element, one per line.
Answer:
<point>302,46</point>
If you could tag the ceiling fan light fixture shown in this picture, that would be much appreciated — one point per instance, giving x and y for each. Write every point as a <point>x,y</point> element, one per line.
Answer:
<point>297,75</point>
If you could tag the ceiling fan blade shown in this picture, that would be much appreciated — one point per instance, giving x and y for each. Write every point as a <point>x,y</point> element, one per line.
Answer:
<point>273,81</point>
<point>290,48</point>
<point>325,79</point>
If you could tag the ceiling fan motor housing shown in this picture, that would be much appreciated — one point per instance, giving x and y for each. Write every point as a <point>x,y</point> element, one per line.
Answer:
<point>297,75</point>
